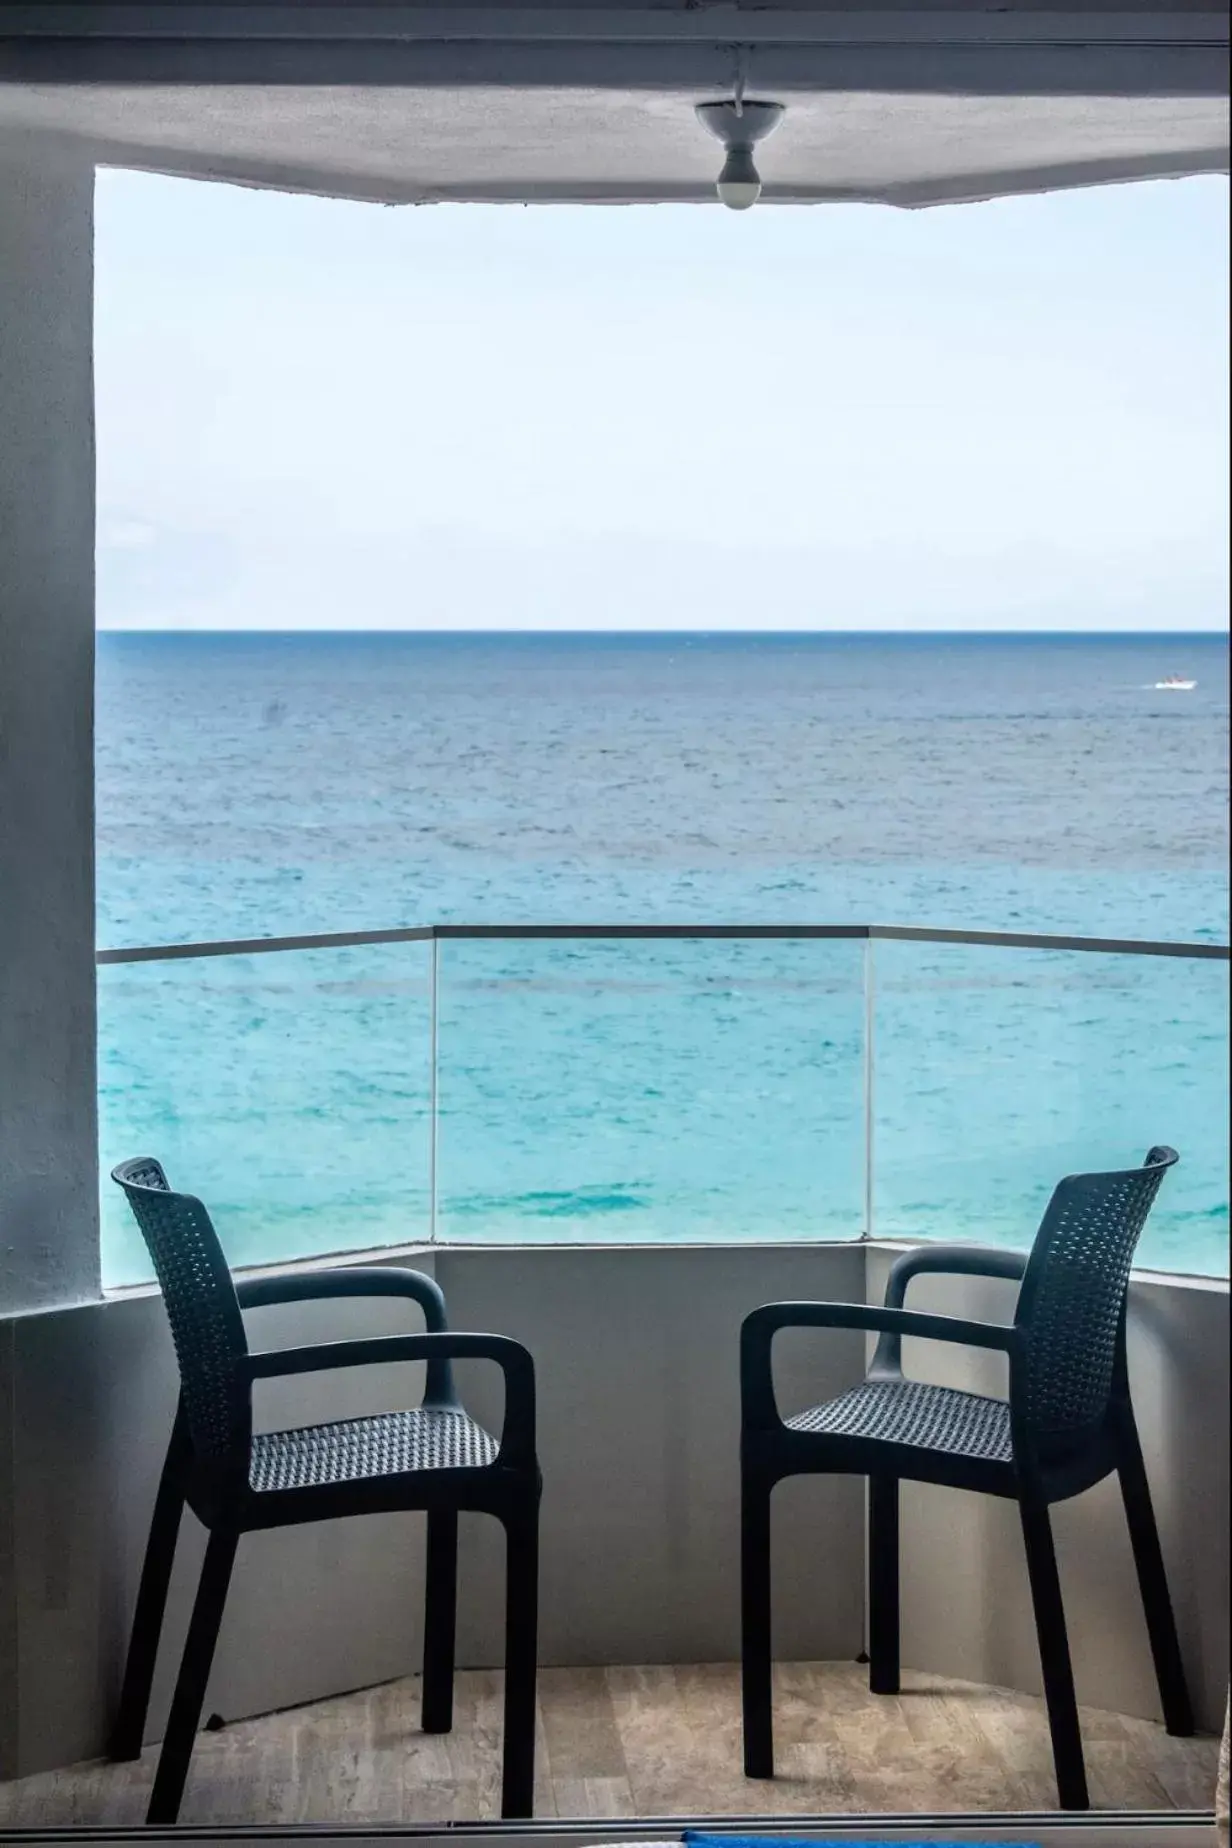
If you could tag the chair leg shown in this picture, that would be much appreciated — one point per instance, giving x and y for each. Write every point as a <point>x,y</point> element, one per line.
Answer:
<point>883,1613</point>
<point>185,1716</point>
<point>129,1729</point>
<point>1153,1584</point>
<point>755,1598</point>
<point>440,1621</point>
<point>521,1660</point>
<point>1059,1694</point>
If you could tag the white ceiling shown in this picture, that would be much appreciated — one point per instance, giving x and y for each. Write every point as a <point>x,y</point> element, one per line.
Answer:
<point>487,142</point>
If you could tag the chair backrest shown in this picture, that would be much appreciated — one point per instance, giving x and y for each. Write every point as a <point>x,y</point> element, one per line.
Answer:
<point>1071,1307</point>
<point>206,1324</point>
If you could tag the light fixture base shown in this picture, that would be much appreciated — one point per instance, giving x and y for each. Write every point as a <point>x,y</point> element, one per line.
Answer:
<point>740,128</point>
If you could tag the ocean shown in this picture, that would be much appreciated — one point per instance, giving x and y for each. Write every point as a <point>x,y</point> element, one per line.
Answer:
<point>284,784</point>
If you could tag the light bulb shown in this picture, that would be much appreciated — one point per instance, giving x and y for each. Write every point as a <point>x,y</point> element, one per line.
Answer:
<point>739,184</point>
<point>738,125</point>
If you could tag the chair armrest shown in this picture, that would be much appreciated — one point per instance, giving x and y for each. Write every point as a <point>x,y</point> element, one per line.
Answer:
<point>757,1335</point>
<point>953,1260</point>
<point>517,1441</point>
<point>349,1280</point>
<point>947,1260</point>
<point>361,1280</point>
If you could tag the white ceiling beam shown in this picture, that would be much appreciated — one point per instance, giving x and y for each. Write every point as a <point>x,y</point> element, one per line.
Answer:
<point>969,22</point>
<point>941,68</point>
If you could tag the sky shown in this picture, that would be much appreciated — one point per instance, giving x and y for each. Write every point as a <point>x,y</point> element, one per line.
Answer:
<point>322,414</point>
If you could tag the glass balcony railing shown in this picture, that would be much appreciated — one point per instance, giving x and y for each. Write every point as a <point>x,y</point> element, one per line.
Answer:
<point>661,1084</point>
<point>668,1090</point>
<point>999,1067</point>
<point>291,1088</point>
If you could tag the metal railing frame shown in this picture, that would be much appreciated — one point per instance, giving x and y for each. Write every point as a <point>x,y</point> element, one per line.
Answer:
<point>859,933</point>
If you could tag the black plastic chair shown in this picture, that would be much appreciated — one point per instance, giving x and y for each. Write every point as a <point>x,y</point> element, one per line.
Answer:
<point>434,1458</point>
<point>1068,1423</point>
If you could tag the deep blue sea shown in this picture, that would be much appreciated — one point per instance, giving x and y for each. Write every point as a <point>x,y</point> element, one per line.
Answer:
<point>267,785</point>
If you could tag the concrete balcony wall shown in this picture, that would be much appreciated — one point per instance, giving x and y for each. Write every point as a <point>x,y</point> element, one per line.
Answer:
<point>637,1366</point>
<point>312,1611</point>
<point>48,1083</point>
<point>639,1411</point>
<point>966,1606</point>
<point>639,1418</point>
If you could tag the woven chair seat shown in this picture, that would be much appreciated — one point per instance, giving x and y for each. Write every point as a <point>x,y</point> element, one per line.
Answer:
<point>391,1444</point>
<point>910,1412</point>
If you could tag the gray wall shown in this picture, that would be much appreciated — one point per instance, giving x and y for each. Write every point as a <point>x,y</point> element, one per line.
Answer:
<point>636,1356</point>
<point>48,1144</point>
<point>638,1438</point>
<point>313,1610</point>
<point>48,1197</point>
<point>966,1609</point>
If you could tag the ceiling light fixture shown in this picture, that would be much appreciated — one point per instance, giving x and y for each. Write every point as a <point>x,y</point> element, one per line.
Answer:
<point>739,125</point>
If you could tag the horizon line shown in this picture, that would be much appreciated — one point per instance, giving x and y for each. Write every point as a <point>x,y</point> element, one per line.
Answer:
<point>882,634</point>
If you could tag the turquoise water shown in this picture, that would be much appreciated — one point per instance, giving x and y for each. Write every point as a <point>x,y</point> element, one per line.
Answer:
<point>688,1089</point>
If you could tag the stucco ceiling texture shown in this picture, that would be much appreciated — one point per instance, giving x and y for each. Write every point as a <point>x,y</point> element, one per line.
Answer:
<point>572,143</point>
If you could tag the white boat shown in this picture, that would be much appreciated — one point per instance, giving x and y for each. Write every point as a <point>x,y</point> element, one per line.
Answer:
<point>1174,684</point>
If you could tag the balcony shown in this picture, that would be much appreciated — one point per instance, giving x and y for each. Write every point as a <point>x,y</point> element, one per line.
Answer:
<point>611,1143</point>
<point>441,1093</point>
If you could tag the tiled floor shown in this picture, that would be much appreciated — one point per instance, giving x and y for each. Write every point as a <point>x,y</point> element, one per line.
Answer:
<point>646,1742</point>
